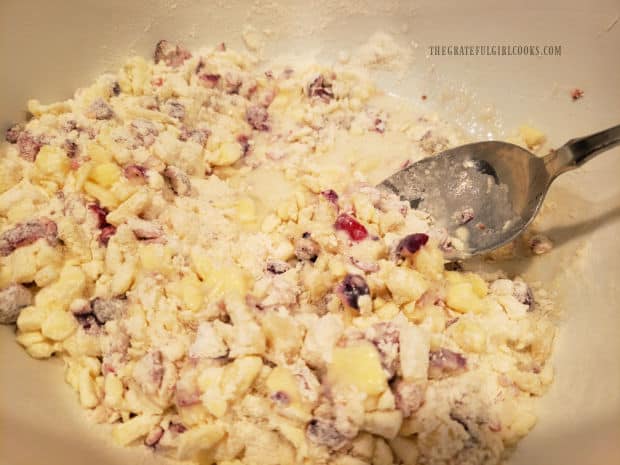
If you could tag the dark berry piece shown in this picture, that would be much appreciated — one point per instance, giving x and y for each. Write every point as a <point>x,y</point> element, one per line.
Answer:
<point>351,289</point>
<point>307,248</point>
<point>444,362</point>
<point>321,88</point>
<point>411,244</point>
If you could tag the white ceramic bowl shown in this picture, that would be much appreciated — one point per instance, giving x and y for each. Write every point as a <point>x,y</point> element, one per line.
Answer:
<point>48,49</point>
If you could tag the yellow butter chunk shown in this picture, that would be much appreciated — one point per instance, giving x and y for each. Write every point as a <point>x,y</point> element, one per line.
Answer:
<point>406,285</point>
<point>454,277</point>
<point>58,325</point>
<point>52,163</point>
<point>215,404</point>
<point>359,366</point>
<point>246,210</point>
<point>429,262</point>
<point>81,175</point>
<point>239,376</point>
<point>123,189</point>
<point>104,196</point>
<point>282,380</point>
<point>283,336</point>
<point>138,426</point>
<point>9,176</point>
<point>523,422</point>
<point>135,75</point>
<point>31,319</point>
<point>97,153</point>
<point>155,258</point>
<point>74,239</point>
<point>227,154</point>
<point>113,391</point>
<point>87,389</point>
<point>387,311</point>
<point>130,207</point>
<point>29,338</point>
<point>40,350</point>
<point>195,414</point>
<point>21,212</point>
<point>479,285</point>
<point>221,278</point>
<point>199,439</point>
<point>462,298</point>
<point>20,266</point>
<point>105,174</point>
<point>123,278</point>
<point>469,335</point>
<point>58,295</point>
<point>531,136</point>
<point>190,290</point>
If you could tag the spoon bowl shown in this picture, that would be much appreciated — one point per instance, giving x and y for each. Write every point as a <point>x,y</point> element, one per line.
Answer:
<point>486,193</point>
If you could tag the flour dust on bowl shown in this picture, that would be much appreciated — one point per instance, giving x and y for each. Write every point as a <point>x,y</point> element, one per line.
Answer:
<point>196,238</point>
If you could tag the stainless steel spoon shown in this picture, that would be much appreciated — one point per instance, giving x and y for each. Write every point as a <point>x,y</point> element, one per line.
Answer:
<point>487,193</point>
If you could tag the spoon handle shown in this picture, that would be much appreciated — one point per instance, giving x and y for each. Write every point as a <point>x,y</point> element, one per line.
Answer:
<point>580,150</point>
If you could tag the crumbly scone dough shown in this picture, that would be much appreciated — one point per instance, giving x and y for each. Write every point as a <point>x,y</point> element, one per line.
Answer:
<point>199,238</point>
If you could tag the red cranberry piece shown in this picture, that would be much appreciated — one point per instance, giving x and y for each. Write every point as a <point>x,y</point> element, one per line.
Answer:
<point>26,233</point>
<point>100,110</point>
<point>172,55</point>
<point>409,396</point>
<point>209,80</point>
<point>178,180</point>
<point>101,214</point>
<point>71,147</point>
<point>411,244</point>
<point>576,94</point>
<point>244,141</point>
<point>28,145</point>
<point>330,195</point>
<point>175,109</point>
<point>185,398</point>
<point>106,233</point>
<point>199,136</point>
<point>353,228</point>
<point>177,428</point>
<point>281,398</point>
<point>258,118</point>
<point>135,173</point>
<point>154,436</point>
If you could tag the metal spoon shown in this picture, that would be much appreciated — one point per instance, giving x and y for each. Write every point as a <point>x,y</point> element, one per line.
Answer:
<point>487,193</point>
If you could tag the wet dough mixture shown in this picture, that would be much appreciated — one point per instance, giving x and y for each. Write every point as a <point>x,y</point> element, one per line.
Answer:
<point>199,239</point>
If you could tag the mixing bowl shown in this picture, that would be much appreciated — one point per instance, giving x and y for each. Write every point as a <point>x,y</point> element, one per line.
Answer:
<point>48,49</point>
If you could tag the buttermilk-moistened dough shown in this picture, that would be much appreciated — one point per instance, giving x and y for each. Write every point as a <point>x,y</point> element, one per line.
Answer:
<point>200,240</point>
